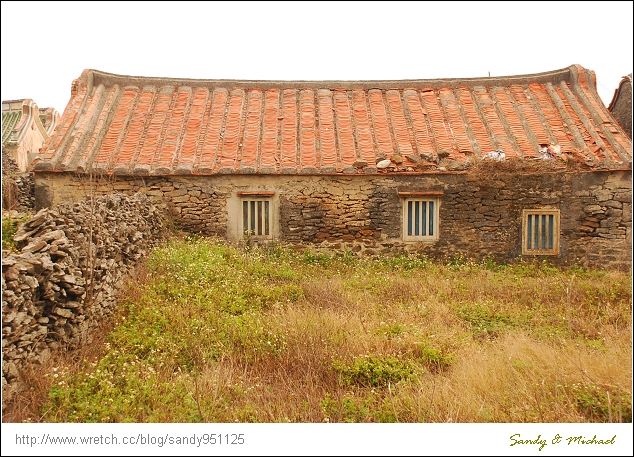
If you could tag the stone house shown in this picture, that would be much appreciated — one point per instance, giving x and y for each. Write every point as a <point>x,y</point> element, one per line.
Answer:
<point>530,165</point>
<point>25,128</point>
<point>621,105</point>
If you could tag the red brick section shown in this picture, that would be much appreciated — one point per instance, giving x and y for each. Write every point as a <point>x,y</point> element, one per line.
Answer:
<point>151,126</point>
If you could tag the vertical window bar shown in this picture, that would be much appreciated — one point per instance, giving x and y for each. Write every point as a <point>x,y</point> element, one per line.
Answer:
<point>409,218</point>
<point>424,218</point>
<point>266,218</point>
<point>551,230</point>
<point>245,217</point>
<point>252,217</point>
<point>259,217</point>
<point>431,218</point>
<point>536,232</point>
<point>529,232</point>
<point>416,218</point>
<point>543,245</point>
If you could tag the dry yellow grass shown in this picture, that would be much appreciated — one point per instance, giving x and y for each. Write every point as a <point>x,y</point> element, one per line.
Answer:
<point>217,334</point>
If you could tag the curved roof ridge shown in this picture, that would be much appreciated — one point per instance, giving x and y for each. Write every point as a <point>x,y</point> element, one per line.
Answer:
<point>111,79</point>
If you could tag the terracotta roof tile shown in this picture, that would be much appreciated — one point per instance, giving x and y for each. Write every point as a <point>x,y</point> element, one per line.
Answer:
<point>154,130</point>
<point>456,123</point>
<point>250,146</point>
<point>97,131</point>
<point>116,130</point>
<point>307,137</point>
<point>482,141</point>
<point>422,133</point>
<point>133,133</point>
<point>399,123</point>
<point>381,126</point>
<point>289,131</point>
<point>327,144</point>
<point>133,125</point>
<point>215,133</point>
<point>269,161</point>
<point>345,131</point>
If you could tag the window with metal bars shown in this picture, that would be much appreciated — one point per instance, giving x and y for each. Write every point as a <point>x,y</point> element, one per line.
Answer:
<point>540,232</point>
<point>420,219</point>
<point>256,218</point>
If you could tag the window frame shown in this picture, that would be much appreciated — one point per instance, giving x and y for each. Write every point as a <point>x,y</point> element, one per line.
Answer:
<point>426,197</point>
<point>541,223</point>
<point>252,199</point>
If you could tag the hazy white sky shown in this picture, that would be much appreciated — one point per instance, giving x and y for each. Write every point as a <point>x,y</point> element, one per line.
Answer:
<point>45,45</point>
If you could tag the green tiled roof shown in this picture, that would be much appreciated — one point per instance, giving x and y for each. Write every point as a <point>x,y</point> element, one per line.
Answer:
<point>9,121</point>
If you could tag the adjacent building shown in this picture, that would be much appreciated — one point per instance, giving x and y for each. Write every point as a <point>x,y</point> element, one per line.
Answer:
<point>25,128</point>
<point>621,105</point>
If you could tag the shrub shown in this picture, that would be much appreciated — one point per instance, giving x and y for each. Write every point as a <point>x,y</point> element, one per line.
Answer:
<point>10,226</point>
<point>602,404</point>
<point>370,371</point>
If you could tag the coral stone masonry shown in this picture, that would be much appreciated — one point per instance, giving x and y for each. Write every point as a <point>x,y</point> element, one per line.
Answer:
<point>479,215</point>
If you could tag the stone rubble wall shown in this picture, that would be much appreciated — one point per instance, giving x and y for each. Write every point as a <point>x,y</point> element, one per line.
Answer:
<point>74,261</point>
<point>480,213</point>
<point>18,189</point>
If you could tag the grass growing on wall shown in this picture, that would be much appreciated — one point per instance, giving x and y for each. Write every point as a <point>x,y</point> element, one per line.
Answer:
<point>212,333</point>
<point>10,226</point>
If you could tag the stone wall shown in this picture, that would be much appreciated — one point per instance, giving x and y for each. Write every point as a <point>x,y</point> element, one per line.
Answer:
<point>480,211</point>
<point>17,187</point>
<point>73,261</point>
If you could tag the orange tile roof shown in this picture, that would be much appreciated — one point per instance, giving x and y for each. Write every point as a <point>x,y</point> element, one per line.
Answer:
<point>158,126</point>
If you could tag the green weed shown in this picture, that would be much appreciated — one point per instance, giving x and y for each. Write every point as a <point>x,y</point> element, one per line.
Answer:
<point>371,371</point>
<point>10,226</point>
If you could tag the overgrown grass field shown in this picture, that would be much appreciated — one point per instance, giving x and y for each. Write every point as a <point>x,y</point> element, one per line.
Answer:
<point>214,333</point>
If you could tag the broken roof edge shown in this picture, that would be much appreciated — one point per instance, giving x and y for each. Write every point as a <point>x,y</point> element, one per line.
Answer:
<point>97,77</point>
